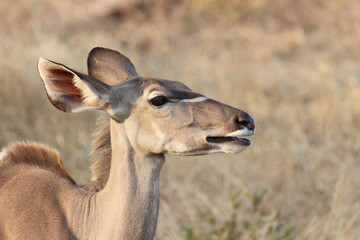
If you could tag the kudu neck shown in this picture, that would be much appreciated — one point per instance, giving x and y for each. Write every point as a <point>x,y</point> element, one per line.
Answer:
<point>130,198</point>
<point>124,152</point>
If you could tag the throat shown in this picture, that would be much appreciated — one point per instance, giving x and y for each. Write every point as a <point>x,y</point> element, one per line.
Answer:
<point>130,198</point>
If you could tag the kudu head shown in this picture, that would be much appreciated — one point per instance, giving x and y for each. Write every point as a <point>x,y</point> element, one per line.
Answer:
<point>159,116</point>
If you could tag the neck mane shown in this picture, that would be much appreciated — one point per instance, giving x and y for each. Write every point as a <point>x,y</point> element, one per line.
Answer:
<point>100,155</point>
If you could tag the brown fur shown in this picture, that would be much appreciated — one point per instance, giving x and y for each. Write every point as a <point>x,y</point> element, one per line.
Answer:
<point>34,154</point>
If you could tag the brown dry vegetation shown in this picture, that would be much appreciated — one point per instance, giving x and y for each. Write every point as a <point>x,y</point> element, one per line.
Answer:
<point>293,65</point>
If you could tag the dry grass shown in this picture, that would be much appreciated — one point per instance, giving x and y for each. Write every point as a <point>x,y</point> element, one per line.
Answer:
<point>293,65</point>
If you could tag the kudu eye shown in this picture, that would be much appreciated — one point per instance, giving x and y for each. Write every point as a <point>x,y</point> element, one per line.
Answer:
<point>158,101</point>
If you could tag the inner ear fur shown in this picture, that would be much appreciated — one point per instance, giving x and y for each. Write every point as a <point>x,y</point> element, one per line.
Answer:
<point>109,66</point>
<point>70,91</point>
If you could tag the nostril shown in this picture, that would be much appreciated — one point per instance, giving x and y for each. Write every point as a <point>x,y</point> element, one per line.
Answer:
<point>243,123</point>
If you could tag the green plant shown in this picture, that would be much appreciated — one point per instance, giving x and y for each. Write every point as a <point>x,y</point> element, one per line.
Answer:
<point>258,223</point>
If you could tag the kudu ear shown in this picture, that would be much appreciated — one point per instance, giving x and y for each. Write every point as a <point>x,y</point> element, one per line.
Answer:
<point>109,66</point>
<point>71,91</point>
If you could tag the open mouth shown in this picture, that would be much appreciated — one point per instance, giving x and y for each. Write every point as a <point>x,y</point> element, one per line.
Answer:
<point>236,140</point>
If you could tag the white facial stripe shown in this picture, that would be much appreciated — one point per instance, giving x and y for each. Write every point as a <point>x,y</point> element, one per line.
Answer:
<point>198,99</point>
<point>188,100</point>
<point>240,133</point>
<point>158,133</point>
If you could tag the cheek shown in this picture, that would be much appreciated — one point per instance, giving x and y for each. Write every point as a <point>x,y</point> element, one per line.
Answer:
<point>164,130</point>
<point>144,133</point>
<point>159,134</point>
<point>152,139</point>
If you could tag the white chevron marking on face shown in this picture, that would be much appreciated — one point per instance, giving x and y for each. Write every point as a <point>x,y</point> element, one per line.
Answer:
<point>198,99</point>
<point>158,133</point>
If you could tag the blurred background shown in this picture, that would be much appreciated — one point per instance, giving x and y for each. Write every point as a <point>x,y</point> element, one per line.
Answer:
<point>292,65</point>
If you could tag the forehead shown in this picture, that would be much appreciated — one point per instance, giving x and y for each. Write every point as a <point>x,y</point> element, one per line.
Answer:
<point>152,83</point>
<point>145,86</point>
<point>168,88</point>
<point>158,83</point>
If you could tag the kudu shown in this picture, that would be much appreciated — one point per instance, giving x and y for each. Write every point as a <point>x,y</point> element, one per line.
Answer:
<point>149,117</point>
